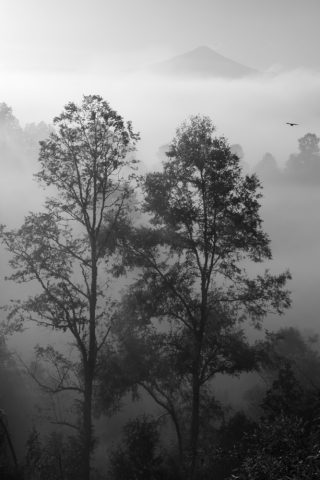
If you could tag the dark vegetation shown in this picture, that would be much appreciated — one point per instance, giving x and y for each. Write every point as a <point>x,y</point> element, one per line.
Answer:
<point>148,283</point>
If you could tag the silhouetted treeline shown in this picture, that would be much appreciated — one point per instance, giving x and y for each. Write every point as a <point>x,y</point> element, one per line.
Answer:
<point>19,146</point>
<point>302,167</point>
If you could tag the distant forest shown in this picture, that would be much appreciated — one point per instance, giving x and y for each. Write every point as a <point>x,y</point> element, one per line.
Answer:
<point>166,310</point>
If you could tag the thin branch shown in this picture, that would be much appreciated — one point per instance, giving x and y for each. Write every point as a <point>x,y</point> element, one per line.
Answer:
<point>65,424</point>
<point>104,339</point>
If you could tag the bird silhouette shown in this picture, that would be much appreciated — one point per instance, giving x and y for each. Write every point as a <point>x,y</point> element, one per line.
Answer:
<point>292,124</point>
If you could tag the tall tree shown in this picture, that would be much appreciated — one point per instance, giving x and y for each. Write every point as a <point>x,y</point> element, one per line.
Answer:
<point>85,163</point>
<point>205,227</point>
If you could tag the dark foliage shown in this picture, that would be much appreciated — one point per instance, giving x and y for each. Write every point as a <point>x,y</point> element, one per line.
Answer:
<point>285,443</point>
<point>139,457</point>
<point>53,458</point>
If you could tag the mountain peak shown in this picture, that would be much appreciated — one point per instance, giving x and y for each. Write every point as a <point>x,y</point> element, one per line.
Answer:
<point>202,62</point>
<point>202,48</point>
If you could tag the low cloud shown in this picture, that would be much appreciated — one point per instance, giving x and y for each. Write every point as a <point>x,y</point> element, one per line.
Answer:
<point>251,111</point>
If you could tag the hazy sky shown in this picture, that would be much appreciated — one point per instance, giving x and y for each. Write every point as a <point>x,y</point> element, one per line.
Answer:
<point>57,34</point>
<point>52,52</point>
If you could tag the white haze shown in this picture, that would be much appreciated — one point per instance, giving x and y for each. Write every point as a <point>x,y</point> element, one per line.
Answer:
<point>250,111</point>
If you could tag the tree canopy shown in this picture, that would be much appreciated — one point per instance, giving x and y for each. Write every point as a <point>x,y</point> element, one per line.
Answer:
<point>186,309</point>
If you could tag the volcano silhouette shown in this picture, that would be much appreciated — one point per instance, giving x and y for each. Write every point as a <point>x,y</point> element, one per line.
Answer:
<point>202,62</point>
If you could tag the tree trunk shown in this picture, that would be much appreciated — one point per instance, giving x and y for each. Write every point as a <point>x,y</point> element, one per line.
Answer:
<point>178,434</point>
<point>89,372</point>
<point>87,439</point>
<point>196,387</point>
<point>195,417</point>
<point>8,438</point>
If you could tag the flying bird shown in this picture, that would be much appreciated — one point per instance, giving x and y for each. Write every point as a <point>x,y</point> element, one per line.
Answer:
<point>292,124</point>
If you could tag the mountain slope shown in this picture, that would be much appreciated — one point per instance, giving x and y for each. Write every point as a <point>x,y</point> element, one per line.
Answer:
<point>202,62</point>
